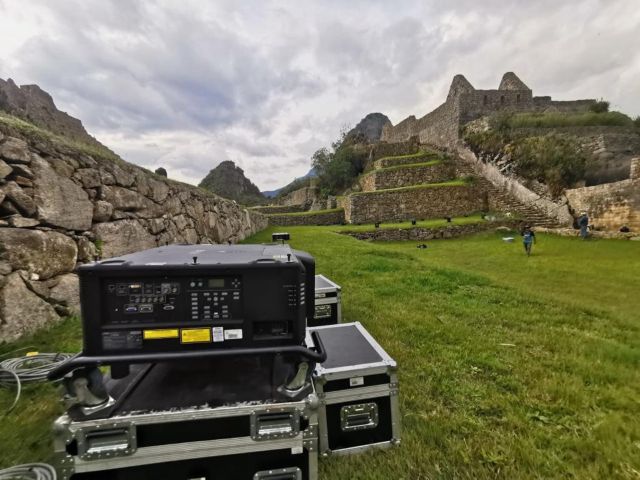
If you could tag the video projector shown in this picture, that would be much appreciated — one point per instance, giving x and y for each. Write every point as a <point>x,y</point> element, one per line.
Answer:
<point>187,298</point>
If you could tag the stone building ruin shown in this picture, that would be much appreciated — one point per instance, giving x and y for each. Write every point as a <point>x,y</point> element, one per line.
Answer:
<point>465,103</point>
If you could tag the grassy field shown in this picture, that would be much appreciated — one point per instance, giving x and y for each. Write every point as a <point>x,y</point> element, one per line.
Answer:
<point>586,119</point>
<point>510,367</point>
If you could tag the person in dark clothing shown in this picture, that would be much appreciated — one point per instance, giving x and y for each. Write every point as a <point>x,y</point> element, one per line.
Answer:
<point>583,223</point>
<point>528,239</point>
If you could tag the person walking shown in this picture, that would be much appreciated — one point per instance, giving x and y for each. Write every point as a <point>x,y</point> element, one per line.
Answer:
<point>528,239</point>
<point>583,223</point>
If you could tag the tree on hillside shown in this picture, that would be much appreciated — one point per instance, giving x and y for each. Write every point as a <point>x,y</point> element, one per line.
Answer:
<point>601,106</point>
<point>555,160</point>
<point>338,168</point>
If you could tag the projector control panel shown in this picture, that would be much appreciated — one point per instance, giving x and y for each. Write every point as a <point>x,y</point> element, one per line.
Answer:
<point>197,299</point>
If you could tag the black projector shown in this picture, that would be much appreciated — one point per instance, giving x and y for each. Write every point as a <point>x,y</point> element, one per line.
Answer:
<point>188,298</point>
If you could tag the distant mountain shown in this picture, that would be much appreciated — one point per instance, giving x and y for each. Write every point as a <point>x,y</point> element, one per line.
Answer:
<point>34,105</point>
<point>228,181</point>
<point>370,127</point>
<point>297,181</point>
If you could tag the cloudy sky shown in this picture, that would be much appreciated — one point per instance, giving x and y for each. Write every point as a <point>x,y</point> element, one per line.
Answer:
<point>187,84</point>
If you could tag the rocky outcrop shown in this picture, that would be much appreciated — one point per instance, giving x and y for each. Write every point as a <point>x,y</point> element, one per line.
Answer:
<point>60,207</point>
<point>370,127</point>
<point>228,181</point>
<point>31,103</point>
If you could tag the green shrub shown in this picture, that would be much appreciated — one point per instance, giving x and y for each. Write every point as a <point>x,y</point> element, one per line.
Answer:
<point>599,107</point>
<point>636,121</point>
<point>489,141</point>
<point>338,169</point>
<point>554,160</point>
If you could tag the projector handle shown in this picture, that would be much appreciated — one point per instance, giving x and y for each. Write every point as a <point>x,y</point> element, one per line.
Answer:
<point>80,361</point>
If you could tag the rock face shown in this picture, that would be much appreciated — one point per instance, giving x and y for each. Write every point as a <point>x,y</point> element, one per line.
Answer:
<point>21,310</point>
<point>45,254</point>
<point>60,207</point>
<point>229,181</point>
<point>370,127</point>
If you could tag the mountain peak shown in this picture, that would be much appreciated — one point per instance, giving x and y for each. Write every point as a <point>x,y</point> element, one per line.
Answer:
<point>370,126</point>
<point>228,181</point>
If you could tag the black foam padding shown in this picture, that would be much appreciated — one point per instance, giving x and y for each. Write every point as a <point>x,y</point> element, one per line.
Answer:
<point>212,382</point>
<point>346,346</point>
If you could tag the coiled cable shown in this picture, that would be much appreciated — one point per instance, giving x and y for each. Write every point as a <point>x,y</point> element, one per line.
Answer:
<point>31,368</point>
<point>29,471</point>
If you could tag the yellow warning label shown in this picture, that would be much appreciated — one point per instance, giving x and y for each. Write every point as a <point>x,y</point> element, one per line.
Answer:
<point>195,335</point>
<point>159,334</point>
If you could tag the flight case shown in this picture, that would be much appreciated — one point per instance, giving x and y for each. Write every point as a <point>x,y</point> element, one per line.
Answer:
<point>328,307</point>
<point>160,428</point>
<point>358,390</point>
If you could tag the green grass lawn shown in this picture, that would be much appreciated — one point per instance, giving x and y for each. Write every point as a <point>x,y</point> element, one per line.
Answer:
<point>510,367</point>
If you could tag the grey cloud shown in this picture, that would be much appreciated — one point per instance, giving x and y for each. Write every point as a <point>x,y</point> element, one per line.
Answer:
<point>187,85</point>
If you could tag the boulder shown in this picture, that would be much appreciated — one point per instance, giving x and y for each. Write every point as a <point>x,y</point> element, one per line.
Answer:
<point>89,177</point>
<point>5,267</point>
<point>46,254</point>
<point>18,221</point>
<point>15,150</point>
<point>124,199</point>
<point>159,190</point>
<point>5,169</point>
<point>102,211</point>
<point>22,170</point>
<point>122,237</point>
<point>23,202</point>
<point>122,176</point>
<point>21,310</point>
<point>67,292</point>
<point>59,200</point>
<point>87,250</point>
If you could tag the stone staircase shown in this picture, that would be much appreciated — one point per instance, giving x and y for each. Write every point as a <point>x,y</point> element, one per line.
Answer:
<point>501,200</point>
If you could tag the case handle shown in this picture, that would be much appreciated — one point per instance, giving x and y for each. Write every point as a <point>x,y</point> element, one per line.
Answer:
<point>293,473</point>
<point>363,416</point>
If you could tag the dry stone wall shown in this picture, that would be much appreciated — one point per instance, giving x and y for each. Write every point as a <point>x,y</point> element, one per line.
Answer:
<point>320,218</point>
<point>421,233</point>
<point>611,205</point>
<point>60,207</point>
<point>270,209</point>
<point>307,198</point>
<point>408,175</point>
<point>414,203</point>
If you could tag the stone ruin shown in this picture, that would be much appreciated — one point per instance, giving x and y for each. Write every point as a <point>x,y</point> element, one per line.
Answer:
<point>465,103</point>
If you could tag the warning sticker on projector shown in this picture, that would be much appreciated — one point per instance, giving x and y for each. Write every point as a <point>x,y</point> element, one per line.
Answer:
<point>195,335</point>
<point>233,334</point>
<point>218,334</point>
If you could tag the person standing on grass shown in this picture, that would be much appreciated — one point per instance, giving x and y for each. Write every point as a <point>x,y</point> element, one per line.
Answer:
<point>528,239</point>
<point>583,223</point>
